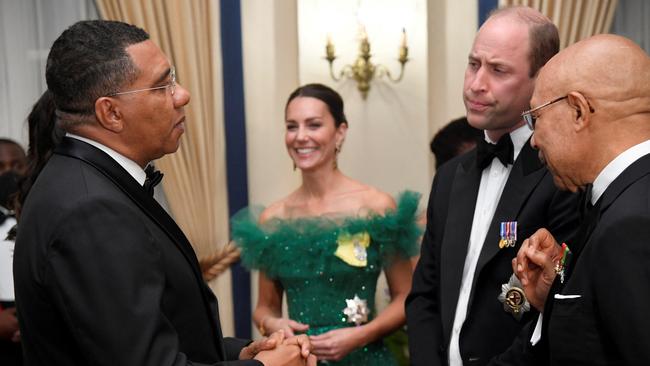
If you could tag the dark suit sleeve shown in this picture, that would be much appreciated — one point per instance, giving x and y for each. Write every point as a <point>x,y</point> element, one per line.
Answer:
<point>234,346</point>
<point>620,276</point>
<point>422,304</point>
<point>522,352</point>
<point>108,282</point>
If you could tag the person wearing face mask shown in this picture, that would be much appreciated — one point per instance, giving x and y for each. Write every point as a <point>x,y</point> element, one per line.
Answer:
<point>325,244</point>
<point>12,166</point>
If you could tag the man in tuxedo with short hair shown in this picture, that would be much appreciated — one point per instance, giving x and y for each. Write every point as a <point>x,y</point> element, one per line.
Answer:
<point>103,275</point>
<point>593,100</point>
<point>482,204</point>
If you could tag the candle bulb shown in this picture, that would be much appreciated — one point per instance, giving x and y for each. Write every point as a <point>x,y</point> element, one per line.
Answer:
<point>329,48</point>
<point>403,49</point>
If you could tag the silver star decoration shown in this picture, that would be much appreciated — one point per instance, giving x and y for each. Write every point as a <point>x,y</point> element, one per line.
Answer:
<point>356,310</point>
<point>513,298</point>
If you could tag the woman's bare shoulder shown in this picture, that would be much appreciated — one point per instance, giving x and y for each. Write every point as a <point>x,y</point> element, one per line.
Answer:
<point>373,199</point>
<point>285,208</point>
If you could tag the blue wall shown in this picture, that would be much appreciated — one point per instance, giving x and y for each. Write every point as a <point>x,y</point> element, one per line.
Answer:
<point>484,8</point>
<point>235,133</point>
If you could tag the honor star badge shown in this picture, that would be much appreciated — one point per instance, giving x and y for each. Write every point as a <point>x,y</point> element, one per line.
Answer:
<point>513,298</point>
<point>356,310</point>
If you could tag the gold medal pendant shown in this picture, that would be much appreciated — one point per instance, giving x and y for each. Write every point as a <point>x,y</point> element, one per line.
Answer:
<point>513,298</point>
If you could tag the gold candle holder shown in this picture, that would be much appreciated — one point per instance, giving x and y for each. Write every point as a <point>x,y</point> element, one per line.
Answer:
<point>362,69</point>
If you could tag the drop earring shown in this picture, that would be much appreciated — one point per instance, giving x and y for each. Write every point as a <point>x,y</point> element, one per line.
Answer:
<point>337,150</point>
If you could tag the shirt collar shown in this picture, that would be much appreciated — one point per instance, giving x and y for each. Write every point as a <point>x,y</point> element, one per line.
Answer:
<point>519,137</point>
<point>129,165</point>
<point>616,167</point>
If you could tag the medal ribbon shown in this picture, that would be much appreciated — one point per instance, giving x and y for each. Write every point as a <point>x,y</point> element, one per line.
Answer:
<point>565,255</point>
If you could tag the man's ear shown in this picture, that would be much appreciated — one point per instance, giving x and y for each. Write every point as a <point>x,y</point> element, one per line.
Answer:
<point>581,110</point>
<point>109,114</point>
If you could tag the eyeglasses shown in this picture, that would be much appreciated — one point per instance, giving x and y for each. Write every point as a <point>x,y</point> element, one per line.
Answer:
<point>531,119</point>
<point>171,85</point>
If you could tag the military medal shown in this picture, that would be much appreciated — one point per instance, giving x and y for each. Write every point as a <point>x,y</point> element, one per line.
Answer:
<point>508,234</point>
<point>513,298</point>
<point>561,264</point>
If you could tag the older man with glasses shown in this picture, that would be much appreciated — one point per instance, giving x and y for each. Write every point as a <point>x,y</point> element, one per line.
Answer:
<point>593,291</point>
<point>103,275</point>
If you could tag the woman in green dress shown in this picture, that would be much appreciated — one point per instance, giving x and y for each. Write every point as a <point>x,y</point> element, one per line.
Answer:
<point>327,242</point>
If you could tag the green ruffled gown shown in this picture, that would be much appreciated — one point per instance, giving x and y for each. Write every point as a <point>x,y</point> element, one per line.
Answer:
<point>300,254</point>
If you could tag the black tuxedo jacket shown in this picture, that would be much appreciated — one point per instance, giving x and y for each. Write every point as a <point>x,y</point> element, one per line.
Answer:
<point>599,316</point>
<point>104,276</point>
<point>530,198</point>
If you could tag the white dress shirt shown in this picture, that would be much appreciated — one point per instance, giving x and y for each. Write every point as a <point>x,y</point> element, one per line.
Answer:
<point>129,165</point>
<point>493,180</point>
<point>602,181</point>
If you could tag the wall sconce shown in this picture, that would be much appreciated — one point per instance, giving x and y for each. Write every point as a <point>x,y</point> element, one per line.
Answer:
<point>363,70</point>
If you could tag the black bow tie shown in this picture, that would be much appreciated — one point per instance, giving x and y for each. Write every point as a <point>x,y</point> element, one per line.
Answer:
<point>153,178</point>
<point>486,151</point>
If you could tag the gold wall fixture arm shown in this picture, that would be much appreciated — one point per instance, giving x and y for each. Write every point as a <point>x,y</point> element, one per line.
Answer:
<point>363,70</point>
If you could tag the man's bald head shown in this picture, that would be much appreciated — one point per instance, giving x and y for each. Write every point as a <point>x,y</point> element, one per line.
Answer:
<point>606,67</point>
<point>602,88</point>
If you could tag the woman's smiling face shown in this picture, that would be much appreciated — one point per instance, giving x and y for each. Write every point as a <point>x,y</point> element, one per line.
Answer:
<point>311,134</point>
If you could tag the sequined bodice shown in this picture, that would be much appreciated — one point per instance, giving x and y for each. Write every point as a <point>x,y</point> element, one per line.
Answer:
<point>317,296</point>
<point>320,264</point>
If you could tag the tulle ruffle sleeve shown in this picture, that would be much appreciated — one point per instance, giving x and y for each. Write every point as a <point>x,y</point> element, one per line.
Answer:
<point>397,232</point>
<point>252,240</point>
<point>278,246</point>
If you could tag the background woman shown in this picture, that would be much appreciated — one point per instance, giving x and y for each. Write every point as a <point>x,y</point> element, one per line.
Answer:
<point>326,243</point>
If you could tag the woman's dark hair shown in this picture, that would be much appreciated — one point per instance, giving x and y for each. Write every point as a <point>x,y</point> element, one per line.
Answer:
<point>326,95</point>
<point>44,136</point>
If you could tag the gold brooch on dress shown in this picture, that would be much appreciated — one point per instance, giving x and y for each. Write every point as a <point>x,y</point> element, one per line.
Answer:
<point>352,248</point>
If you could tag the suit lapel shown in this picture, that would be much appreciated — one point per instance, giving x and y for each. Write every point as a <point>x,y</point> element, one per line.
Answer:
<point>125,182</point>
<point>634,172</point>
<point>525,175</point>
<point>462,202</point>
